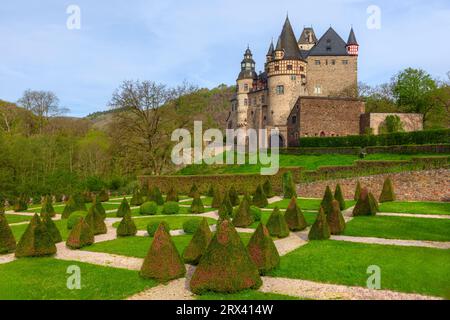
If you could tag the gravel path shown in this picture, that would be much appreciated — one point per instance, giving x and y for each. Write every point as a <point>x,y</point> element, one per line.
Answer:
<point>411,215</point>
<point>394,242</point>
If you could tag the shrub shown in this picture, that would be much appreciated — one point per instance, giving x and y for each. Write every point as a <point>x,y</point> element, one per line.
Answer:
<point>243,218</point>
<point>194,191</point>
<point>199,243</point>
<point>259,198</point>
<point>211,191</point>
<point>226,266</point>
<point>338,195</point>
<point>47,208</point>
<point>387,195</point>
<point>268,190</point>
<point>7,240</point>
<point>75,218</point>
<point>190,226</point>
<point>172,196</point>
<point>70,207</point>
<point>81,236</point>
<point>289,189</point>
<point>366,206</point>
<point>124,209</point>
<point>52,229</point>
<point>152,227</point>
<point>294,216</point>
<point>336,220</point>
<point>103,196</point>
<point>97,205</point>
<point>80,204</point>
<point>197,205</point>
<point>127,227</point>
<point>374,202</point>
<point>277,225</point>
<point>171,208</point>
<point>226,209</point>
<point>357,191</point>
<point>327,201</point>
<point>256,213</point>
<point>137,198</point>
<point>262,250</point>
<point>36,241</point>
<point>234,197</point>
<point>97,221</point>
<point>148,209</point>
<point>320,229</point>
<point>217,199</point>
<point>156,196</point>
<point>21,204</point>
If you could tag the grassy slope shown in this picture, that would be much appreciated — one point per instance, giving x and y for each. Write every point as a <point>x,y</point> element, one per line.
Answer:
<point>400,228</point>
<point>175,222</point>
<point>404,269</point>
<point>46,278</point>
<point>416,207</point>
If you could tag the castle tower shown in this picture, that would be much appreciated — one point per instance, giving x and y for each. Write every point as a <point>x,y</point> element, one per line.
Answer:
<point>307,40</point>
<point>245,81</point>
<point>270,53</point>
<point>352,44</point>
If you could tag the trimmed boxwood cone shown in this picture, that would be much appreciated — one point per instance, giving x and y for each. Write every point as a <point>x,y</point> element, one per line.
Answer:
<point>163,262</point>
<point>211,191</point>
<point>52,229</point>
<point>47,208</point>
<point>194,191</point>
<point>327,201</point>
<point>197,205</point>
<point>260,198</point>
<point>198,245</point>
<point>21,204</point>
<point>289,189</point>
<point>374,202</point>
<point>366,206</point>
<point>294,216</point>
<point>97,205</point>
<point>268,190</point>
<point>234,197</point>
<point>243,218</point>
<point>226,266</point>
<point>156,196</point>
<point>320,229</point>
<point>228,205</point>
<point>70,208</point>
<point>124,209</point>
<point>81,236</point>
<point>263,251</point>
<point>339,196</point>
<point>7,240</point>
<point>388,194</point>
<point>172,196</point>
<point>97,222</point>
<point>277,225</point>
<point>79,202</point>
<point>137,199</point>
<point>336,220</point>
<point>103,196</point>
<point>36,241</point>
<point>357,191</point>
<point>217,199</point>
<point>127,227</point>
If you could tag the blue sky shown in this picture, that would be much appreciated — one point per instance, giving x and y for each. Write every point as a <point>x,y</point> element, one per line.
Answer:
<point>201,41</point>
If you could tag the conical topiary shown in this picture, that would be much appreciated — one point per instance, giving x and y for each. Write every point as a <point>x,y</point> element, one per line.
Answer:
<point>7,240</point>
<point>289,189</point>
<point>197,205</point>
<point>294,216</point>
<point>163,262</point>
<point>234,197</point>
<point>336,220</point>
<point>52,229</point>
<point>243,218</point>
<point>137,199</point>
<point>97,205</point>
<point>339,196</point>
<point>365,205</point>
<point>327,201</point>
<point>172,195</point>
<point>70,208</point>
<point>217,199</point>
<point>226,209</point>
<point>47,208</point>
<point>226,265</point>
<point>357,191</point>
<point>268,190</point>
<point>320,229</point>
<point>374,202</point>
<point>277,225</point>
<point>156,196</point>
<point>194,191</point>
<point>127,227</point>
<point>211,191</point>
<point>263,251</point>
<point>124,209</point>
<point>96,221</point>
<point>259,198</point>
<point>21,204</point>
<point>198,245</point>
<point>80,203</point>
<point>36,241</point>
<point>103,196</point>
<point>81,236</point>
<point>388,194</point>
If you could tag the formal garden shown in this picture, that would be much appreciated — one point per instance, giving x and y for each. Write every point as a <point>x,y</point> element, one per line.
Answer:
<point>216,242</point>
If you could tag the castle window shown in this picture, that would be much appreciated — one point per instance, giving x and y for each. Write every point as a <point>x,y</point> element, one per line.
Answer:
<point>345,62</point>
<point>317,62</point>
<point>245,87</point>
<point>302,68</point>
<point>333,62</point>
<point>277,68</point>
<point>280,90</point>
<point>294,120</point>
<point>317,89</point>
<point>293,77</point>
<point>289,67</point>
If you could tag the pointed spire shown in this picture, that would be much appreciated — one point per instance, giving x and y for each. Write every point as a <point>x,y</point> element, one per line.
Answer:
<point>352,38</point>
<point>288,42</point>
<point>271,49</point>
<point>279,47</point>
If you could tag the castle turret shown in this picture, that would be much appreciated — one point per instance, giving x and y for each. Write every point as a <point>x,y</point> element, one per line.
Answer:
<point>307,40</point>
<point>352,44</point>
<point>245,81</point>
<point>270,53</point>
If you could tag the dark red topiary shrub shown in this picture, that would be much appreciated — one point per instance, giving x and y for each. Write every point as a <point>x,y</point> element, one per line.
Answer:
<point>294,217</point>
<point>263,251</point>
<point>199,243</point>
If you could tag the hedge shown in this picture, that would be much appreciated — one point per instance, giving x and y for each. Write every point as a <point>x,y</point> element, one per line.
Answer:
<point>411,149</point>
<point>392,139</point>
<point>320,151</point>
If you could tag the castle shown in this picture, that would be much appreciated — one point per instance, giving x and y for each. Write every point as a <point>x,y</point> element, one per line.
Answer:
<point>308,88</point>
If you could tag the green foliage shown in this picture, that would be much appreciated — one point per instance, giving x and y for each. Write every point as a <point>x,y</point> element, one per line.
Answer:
<point>277,225</point>
<point>211,191</point>
<point>47,208</point>
<point>21,204</point>
<point>124,209</point>
<point>172,196</point>
<point>327,202</point>
<point>97,205</point>
<point>339,196</point>
<point>336,220</point>
<point>217,199</point>
<point>234,197</point>
<point>392,124</point>
<point>294,216</point>
<point>268,190</point>
<point>103,196</point>
<point>194,191</point>
<point>156,196</point>
<point>357,191</point>
<point>7,240</point>
<point>171,208</point>
<point>72,206</point>
<point>96,220</point>
<point>243,218</point>
<point>262,250</point>
<point>260,198</point>
<point>190,226</point>
<point>75,218</point>
<point>163,262</point>
<point>197,206</point>
<point>226,208</point>
<point>388,194</point>
<point>226,265</point>
<point>95,184</point>
<point>36,241</point>
<point>366,206</point>
<point>320,229</point>
<point>153,226</point>
<point>256,213</point>
<point>127,227</point>
<point>82,235</point>
<point>289,189</point>
<point>137,198</point>
<point>52,229</point>
<point>148,209</point>
<point>199,243</point>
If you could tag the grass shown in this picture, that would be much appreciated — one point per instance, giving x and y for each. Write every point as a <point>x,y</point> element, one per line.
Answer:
<point>136,212</point>
<point>175,222</point>
<point>403,269</point>
<point>399,228</point>
<point>60,209</point>
<point>60,224</point>
<point>46,279</point>
<point>245,295</point>
<point>14,218</point>
<point>138,246</point>
<point>309,216</point>
<point>305,204</point>
<point>416,207</point>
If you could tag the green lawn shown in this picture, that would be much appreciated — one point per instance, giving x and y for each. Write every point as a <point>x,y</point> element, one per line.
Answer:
<point>306,204</point>
<point>399,228</point>
<point>175,222</point>
<point>246,295</point>
<point>136,213</point>
<point>138,246</point>
<point>46,279</point>
<point>14,218</point>
<point>20,229</point>
<point>60,209</point>
<point>403,269</point>
<point>416,207</point>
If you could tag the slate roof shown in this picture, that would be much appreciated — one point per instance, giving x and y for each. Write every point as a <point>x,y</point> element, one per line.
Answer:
<point>304,39</point>
<point>288,42</point>
<point>330,44</point>
<point>352,38</point>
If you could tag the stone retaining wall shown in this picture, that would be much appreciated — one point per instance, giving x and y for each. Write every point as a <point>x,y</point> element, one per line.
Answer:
<point>432,185</point>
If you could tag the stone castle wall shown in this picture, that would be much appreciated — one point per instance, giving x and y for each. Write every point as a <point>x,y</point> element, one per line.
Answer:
<point>410,121</point>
